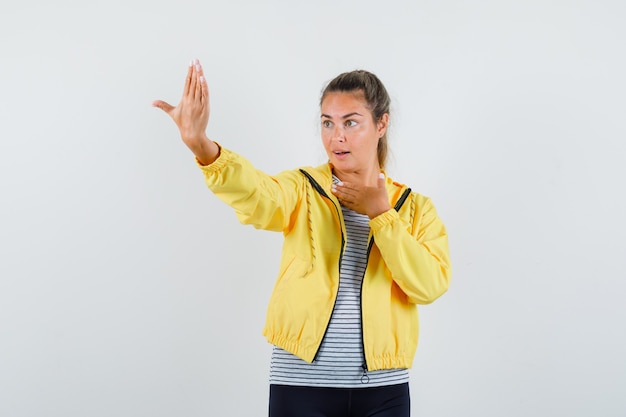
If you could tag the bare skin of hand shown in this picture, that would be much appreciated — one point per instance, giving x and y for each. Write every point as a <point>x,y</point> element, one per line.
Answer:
<point>191,115</point>
<point>371,201</point>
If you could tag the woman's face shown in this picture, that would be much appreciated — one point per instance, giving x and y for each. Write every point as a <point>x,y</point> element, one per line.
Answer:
<point>349,133</point>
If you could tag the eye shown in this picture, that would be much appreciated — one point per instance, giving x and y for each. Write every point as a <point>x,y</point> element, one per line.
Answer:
<point>327,123</point>
<point>350,123</point>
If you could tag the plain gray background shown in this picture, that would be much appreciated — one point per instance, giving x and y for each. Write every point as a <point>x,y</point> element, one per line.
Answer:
<point>128,289</point>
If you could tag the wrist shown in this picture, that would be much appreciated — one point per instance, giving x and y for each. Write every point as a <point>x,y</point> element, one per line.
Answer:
<point>205,150</point>
<point>378,212</point>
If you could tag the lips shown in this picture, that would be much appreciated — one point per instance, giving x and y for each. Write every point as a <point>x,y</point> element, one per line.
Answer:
<point>341,155</point>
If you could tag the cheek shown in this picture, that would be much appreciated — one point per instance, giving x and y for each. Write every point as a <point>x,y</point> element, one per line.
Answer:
<point>368,138</point>
<point>325,141</point>
<point>372,145</point>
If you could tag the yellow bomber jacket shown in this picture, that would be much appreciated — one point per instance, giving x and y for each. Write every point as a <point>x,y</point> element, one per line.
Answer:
<point>408,261</point>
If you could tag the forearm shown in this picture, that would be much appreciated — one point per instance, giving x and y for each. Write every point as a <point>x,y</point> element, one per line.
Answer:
<point>259,199</point>
<point>420,267</point>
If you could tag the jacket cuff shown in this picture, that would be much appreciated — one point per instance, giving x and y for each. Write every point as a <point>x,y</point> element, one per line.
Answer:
<point>218,164</point>
<point>383,219</point>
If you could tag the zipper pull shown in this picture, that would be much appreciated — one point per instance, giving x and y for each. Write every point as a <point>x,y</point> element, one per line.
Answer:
<point>365,379</point>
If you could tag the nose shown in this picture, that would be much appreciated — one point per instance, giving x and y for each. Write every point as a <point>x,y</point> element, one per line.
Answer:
<point>339,134</point>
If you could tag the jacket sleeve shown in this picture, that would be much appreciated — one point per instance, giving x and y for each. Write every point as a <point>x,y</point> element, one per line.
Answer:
<point>264,201</point>
<point>415,254</point>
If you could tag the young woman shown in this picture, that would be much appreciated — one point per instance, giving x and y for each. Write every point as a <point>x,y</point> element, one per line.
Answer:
<point>361,252</point>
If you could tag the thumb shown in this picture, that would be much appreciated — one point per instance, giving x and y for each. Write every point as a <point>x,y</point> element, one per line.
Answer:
<point>381,180</point>
<point>166,107</point>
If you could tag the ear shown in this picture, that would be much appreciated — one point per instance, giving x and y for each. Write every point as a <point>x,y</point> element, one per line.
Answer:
<point>381,125</point>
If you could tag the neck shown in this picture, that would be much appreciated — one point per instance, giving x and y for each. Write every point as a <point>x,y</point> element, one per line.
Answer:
<point>367,177</point>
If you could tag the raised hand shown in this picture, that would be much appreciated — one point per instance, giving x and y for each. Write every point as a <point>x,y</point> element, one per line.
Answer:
<point>191,115</point>
<point>371,201</point>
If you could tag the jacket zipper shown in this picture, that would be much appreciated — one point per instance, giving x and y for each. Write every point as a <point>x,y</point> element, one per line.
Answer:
<point>320,190</point>
<point>365,378</point>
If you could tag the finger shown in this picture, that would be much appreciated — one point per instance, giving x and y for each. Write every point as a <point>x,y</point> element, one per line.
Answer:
<point>343,191</point>
<point>166,107</point>
<point>188,79</point>
<point>381,180</point>
<point>205,89</point>
<point>342,196</point>
<point>194,80</point>
<point>348,186</point>
<point>198,74</point>
<point>346,190</point>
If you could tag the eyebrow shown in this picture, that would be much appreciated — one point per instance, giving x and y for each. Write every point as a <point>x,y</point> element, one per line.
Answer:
<point>344,117</point>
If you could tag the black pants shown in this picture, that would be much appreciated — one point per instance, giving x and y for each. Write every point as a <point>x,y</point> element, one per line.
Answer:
<point>291,401</point>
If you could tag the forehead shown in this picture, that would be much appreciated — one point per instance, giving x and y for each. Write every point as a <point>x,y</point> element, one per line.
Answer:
<point>342,102</point>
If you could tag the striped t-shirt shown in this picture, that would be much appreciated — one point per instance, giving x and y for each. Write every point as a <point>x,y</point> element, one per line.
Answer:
<point>339,362</point>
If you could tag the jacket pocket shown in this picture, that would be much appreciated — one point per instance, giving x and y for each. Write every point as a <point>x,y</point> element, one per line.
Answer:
<point>294,269</point>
